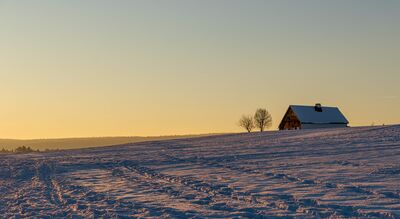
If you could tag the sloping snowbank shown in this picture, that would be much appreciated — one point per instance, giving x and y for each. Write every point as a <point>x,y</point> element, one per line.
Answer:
<point>351,172</point>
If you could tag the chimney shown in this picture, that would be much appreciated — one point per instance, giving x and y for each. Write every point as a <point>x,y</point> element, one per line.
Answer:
<point>318,107</point>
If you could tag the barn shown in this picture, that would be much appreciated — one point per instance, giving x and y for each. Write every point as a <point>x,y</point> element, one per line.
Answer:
<point>312,117</point>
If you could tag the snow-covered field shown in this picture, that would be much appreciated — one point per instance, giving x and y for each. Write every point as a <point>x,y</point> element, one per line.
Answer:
<point>337,173</point>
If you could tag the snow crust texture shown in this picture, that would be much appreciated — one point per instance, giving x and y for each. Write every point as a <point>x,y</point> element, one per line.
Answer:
<point>331,173</point>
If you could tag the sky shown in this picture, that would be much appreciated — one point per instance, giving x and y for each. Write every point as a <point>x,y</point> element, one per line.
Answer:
<point>145,68</point>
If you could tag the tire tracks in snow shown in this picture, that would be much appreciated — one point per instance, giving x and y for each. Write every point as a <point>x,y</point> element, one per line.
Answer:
<point>288,202</point>
<point>215,193</point>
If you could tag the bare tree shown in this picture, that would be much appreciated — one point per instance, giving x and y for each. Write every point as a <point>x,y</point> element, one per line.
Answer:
<point>247,122</point>
<point>262,119</point>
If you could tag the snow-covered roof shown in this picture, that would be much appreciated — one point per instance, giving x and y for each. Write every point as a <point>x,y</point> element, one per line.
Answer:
<point>308,114</point>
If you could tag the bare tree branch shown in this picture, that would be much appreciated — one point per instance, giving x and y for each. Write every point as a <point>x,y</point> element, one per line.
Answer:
<point>247,122</point>
<point>262,119</point>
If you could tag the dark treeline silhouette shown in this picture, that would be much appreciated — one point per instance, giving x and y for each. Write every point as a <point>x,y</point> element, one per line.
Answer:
<point>24,149</point>
<point>3,151</point>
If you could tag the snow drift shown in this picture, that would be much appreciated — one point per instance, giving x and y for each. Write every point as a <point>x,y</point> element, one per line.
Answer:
<point>339,173</point>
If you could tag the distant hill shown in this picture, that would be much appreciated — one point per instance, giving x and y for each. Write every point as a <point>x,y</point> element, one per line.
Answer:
<point>75,143</point>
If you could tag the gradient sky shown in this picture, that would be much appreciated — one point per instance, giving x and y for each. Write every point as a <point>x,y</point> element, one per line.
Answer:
<point>111,68</point>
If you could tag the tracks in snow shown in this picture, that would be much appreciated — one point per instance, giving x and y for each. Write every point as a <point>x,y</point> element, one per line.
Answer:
<point>250,176</point>
<point>46,191</point>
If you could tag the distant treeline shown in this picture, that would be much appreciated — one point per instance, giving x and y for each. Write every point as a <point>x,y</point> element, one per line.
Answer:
<point>76,143</point>
<point>23,149</point>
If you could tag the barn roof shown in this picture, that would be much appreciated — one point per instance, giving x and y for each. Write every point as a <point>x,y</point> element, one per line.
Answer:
<point>308,114</point>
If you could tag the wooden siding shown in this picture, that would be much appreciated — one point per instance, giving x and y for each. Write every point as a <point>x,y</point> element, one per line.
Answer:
<point>290,121</point>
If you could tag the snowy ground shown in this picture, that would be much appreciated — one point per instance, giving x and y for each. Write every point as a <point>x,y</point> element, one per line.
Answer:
<point>337,173</point>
